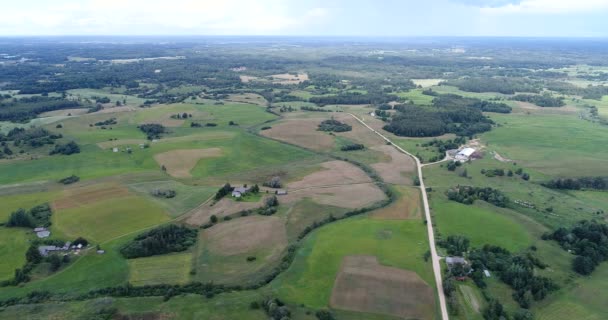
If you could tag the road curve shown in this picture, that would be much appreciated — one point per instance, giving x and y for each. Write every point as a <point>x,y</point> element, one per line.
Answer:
<point>429,223</point>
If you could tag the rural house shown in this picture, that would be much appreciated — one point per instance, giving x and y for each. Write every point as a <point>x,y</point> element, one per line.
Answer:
<point>239,191</point>
<point>451,261</point>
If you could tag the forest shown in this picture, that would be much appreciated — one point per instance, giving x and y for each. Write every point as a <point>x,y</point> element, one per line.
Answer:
<point>160,240</point>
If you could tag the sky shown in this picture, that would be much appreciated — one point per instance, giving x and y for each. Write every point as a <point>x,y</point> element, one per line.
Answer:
<point>387,18</point>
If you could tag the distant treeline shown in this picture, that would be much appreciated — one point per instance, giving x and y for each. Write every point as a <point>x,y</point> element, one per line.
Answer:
<point>354,98</point>
<point>506,85</point>
<point>544,100</point>
<point>598,183</point>
<point>24,109</point>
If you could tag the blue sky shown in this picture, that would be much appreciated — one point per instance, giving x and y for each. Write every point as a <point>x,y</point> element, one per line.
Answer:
<point>552,18</point>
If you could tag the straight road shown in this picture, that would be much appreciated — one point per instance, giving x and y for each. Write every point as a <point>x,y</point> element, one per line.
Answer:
<point>429,223</point>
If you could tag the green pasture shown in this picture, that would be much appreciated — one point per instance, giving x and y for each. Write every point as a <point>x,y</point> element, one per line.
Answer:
<point>481,224</point>
<point>187,197</point>
<point>558,145</point>
<point>14,242</point>
<point>163,269</point>
<point>310,278</point>
<point>90,93</point>
<point>108,219</point>
<point>417,97</point>
<point>10,203</point>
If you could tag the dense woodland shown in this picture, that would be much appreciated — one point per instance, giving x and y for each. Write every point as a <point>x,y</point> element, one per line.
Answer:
<point>468,195</point>
<point>597,183</point>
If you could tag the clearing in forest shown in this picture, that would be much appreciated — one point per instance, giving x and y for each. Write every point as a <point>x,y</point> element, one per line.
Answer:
<point>364,285</point>
<point>178,163</point>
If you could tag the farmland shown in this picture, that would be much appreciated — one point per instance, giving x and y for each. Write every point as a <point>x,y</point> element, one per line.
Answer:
<point>286,198</point>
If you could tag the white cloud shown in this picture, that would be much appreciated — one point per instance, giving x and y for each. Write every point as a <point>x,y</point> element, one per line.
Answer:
<point>159,17</point>
<point>548,7</point>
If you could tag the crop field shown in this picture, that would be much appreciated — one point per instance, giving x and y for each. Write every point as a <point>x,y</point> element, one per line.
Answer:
<point>310,279</point>
<point>13,245</point>
<point>365,285</point>
<point>106,218</point>
<point>178,163</point>
<point>407,205</point>
<point>10,203</point>
<point>171,268</point>
<point>302,132</point>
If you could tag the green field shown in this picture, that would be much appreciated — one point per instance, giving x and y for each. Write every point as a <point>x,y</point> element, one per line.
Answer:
<point>310,279</point>
<point>187,197</point>
<point>23,201</point>
<point>167,268</point>
<point>108,219</point>
<point>13,245</point>
<point>557,145</point>
<point>481,224</point>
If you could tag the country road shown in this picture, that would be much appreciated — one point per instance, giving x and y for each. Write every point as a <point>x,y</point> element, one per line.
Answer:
<point>429,224</point>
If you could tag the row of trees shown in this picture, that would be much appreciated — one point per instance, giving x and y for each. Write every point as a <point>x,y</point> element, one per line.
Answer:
<point>506,85</point>
<point>24,109</point>
<point>598,183</point>
<point>160,240</point>
<point>352,147</point>
<point>354,98</point>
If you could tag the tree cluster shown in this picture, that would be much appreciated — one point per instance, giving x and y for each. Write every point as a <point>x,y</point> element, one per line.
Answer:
<point>38,216</point>
<point>69,180</point>
<point>588,240</point>
<point>223,191</point>
<point>160,240</point>
<point>505,85</point>
<point>352,147</point>
<point>66,149</point>
<point>333,125</point>
<point>108,122</point>
<point>468,195</point>
<point>152,130</point>
<point>164,193</point>
<point>24,109</point>
<point>354,98</point>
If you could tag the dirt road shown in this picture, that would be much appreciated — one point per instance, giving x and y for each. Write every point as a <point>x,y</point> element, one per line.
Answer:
<point>429,224</point>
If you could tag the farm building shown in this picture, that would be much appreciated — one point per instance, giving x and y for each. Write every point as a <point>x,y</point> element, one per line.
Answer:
<point>464,154</point>
<point>451,261</point>
<point>239,191</point>
<point>281,192</point>
<point>42,232</point>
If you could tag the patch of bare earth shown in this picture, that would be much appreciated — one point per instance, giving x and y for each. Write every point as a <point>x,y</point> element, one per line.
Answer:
<point>397,169</point>
<point>178,163</point>
<point>246,79</point>
<point>220,209</point>
<point>121,142</point>
<point>79,196</point>
<point>251,98</point>
<point>287,78</point>
<point>301,132</point>
<point>116,109</point>
<point>406,207</point>
<point>247,234</point>
<point>529,107</point>
<point>364,285</point>
<point>340,184</point>
<point>64,112</point>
